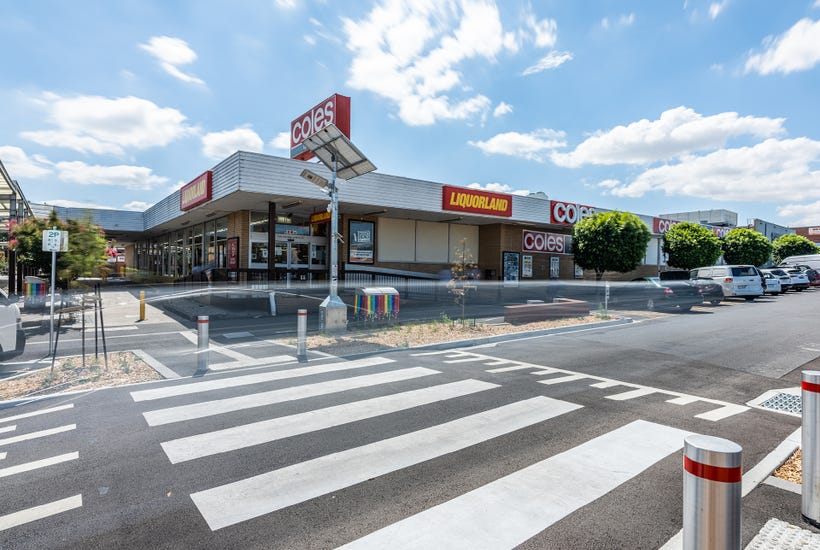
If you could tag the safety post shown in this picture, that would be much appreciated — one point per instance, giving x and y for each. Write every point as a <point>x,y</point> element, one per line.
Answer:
<point>301,334</point>
<point>202,343</point>
<point>142,305</point>
<point>712,488</point>
<point>810,489</point>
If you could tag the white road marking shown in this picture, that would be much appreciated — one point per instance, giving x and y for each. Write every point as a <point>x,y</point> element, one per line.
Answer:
<point>115,329</point>
<point>276,359</point>
<point>684,400</point>
<point>39,512</point>
<point>465,360</point>
<point>442,352</point>
<point>640,392</point>
<point>231,404</point>
<point>252,497</point>
<point>8,429</point>
<point>220,383</point>
<point>37,413</point>
<point>499,362</point>
<point>2,456</point>
<point>544,372</point>
<point>35,435</point>
<point>723,412</point>
<point>239,437</point>
<point>510,510</point>
<point>514,367</point>
<point>232,335</point>
<point>605,385</point>
<point>228,352</point>
<point>28,466</point>
<point>562,379</point>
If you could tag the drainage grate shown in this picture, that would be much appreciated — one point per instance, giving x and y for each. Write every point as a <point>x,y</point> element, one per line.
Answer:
<point>784,402</point>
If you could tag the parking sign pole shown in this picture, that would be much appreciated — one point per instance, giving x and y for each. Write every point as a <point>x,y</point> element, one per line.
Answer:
<point>53,276</point>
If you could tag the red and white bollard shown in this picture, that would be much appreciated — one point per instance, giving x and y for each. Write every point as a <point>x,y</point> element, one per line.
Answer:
<point>203,343</point>
<point>301,334</point>
<point>712,489</point>
<point>810,487</point>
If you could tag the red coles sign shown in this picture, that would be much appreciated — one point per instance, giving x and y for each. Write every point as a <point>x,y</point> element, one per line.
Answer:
<point>568,213</point>
<point>537,241</point>
<point>661,225</point>
<point>333,110</point>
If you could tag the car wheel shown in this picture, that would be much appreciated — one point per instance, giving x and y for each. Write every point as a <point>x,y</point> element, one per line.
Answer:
<point>715,302</point>
<point>750,298</point>
<point>684,308</point>
<point>650,304</point>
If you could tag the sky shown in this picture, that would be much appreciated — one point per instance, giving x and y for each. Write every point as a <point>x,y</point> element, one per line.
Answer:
<point>645,106</point>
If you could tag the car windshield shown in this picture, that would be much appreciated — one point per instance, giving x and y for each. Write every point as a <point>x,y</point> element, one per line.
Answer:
<point>744,271</point>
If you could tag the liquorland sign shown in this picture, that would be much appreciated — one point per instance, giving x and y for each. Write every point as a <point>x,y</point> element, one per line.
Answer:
<point>197,191</point>
<point>568,213</point>
<point>333,110</point>
<point>459,199</point>
<point>549,243</point>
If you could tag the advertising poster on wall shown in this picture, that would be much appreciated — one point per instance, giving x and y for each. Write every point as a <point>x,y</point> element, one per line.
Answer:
<point>579,272</point>
<point>361,242</point>
<point>232,261</point>
<point>511,261</point>
<point>555,267</point>
<point>526,267</point>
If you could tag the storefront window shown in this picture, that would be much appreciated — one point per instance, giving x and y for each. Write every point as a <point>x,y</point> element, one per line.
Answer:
<point>221,242</point>
<point>259,222</point>
<point>259,253</point>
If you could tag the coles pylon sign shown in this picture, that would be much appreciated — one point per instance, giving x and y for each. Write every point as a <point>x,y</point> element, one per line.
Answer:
<point>333,110</point>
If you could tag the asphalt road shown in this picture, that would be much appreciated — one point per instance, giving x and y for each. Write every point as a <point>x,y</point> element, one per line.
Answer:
<point>564,441</point>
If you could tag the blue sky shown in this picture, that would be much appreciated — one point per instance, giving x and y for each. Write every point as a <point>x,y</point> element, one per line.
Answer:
<point>648,106</point>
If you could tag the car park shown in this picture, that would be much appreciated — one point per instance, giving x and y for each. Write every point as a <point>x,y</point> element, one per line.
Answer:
<point>652,294</point>
<point>785,279</point>
<point>12,337</point>
<point>737,280</point>
<point>711,291</point>
<point>800,281</point>
<point>772,283</point>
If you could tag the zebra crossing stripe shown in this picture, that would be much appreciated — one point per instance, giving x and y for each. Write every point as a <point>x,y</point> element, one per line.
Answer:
<point>39,512</point>
<point>220,406</point>
<point>35,435</point>
<point>5,429</point>
<point>2,456</point>
<point>37,413</point>
<point>632,394</point>
<point>248,379</point>
<point>28,466</point>
<point>513,509</point>
<point>252,497</point>
<point>239,437</point>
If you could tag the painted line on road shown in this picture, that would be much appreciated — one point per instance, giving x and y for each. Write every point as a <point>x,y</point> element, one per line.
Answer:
<point>562,379</point>
<point>39,512</point>
<point>514,508</point>
<point>262,494</point>
<point>8,429</point>
<point>640,392</point>
<point>274,360</point>
<point>152,362</point>
<point>465,360</point>
<point>228,352</point>
<point>234,335</point>
<point>543,372</point>
<point>723,412</point>
<point>37,435</point>
<point>685,400</point>
<point>510,369</point>
<point>29,466</point>
<point>116,329</point>
<point>422,354</point>
<point>221,406</point>
<point>605,385</point>
<point>2,456</point>
<point>37,413</point>
<point>240,437</point>
<point>247,379</point>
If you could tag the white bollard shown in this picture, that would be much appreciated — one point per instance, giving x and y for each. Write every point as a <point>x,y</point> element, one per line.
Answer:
<point>810,488</point>
<point>712,488</point>
<point>203,343</point>
<point>301,334</point>
<point>272,298</point>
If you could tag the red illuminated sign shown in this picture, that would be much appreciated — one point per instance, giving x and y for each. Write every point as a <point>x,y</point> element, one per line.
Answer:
<point>568,213</point>
<point>661,225</point>
<point>233,253</point>
<point>333,110</point>
<point>538,241</point>
<point>460,199</point>
<point>196,192</point>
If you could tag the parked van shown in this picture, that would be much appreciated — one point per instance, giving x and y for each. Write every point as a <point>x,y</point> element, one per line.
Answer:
<point>736,280</point>
<point>811,260</point>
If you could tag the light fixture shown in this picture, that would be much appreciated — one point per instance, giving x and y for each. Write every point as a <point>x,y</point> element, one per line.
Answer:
<point>314,178</point>
<point>211,214</point>
<point>292,204</point>
<point>375,212</point>
<point>186,222</point>
<point>458,219</point>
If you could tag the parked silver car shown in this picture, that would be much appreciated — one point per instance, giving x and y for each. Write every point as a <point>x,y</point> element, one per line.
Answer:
<point>736,280</point>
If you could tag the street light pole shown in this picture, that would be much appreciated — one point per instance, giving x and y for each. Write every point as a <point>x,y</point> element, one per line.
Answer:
<point>334,231</point>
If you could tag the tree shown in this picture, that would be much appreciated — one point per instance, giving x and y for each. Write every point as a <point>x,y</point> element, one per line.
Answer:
<point>463,273</point>
<point>746,246</point>
<point>791,245</point>
<point>610,241</point>
<point>690,245</point>
<point>27,241</point>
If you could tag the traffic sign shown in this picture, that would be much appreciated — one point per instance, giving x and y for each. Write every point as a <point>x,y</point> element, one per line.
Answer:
<point>55,241</point>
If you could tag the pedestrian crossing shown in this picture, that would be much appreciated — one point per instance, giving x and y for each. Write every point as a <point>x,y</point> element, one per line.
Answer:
<point>11,436</point>
<point>550,376</point>
<point>499,514</point>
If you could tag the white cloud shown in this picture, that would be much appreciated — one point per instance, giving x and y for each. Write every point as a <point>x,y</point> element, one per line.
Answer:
<point>769,171</point>
<point>802,214</point>
<point>281,142</point>
<point>798,49</point>
<point>609,184</point>
<point>817,3</point>
<point>130,177</point>
<point>624,20</point>
<point>171,53</point>
<point>411,53</point>
<point>63,203</point>
<point>286,4</point>
<point>532,146</point>
<point>219,145</point>
<point>19,165</point>
<point>716,8</point>
<point>677,132</point>
<point>551,61</point>
<point>310,39</point>
<point>499,188</point>
<point>502,109</point>
<point>138,206</point>
<point>99,125</point>
<point>605,23</point>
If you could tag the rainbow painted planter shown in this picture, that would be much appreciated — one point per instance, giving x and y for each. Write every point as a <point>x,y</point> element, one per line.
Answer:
<point>376,303</point>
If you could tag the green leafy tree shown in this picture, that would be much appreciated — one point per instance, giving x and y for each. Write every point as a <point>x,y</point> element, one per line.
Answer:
<point>86,251</point>
<point>610,241</point>
<point>27,241</point>
<point>690,245</point>
<point>746,246</point>
<point>791,245</point>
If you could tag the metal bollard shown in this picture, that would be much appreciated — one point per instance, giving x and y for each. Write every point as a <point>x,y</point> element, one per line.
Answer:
<point>203,343</point>
<point>301,334</point>
<point>142,305</point>
<point>712,488</point>
<point>810,488</point>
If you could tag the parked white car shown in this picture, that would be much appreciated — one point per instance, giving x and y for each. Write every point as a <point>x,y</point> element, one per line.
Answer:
<point>785,278</point>
<point>773,285</point>
<point>11,324</point>
<point>800,281</point>
<point>737,280</point>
